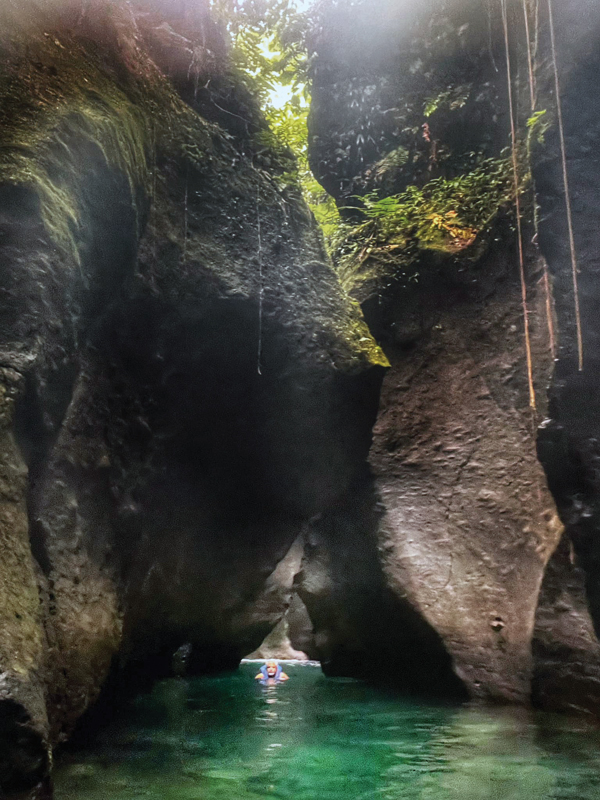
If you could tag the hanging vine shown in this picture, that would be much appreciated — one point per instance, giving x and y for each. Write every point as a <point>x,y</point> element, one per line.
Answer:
<point>563,150</point>
<point>515,163</point>
<point>261,282</point>
<point>531,53</point>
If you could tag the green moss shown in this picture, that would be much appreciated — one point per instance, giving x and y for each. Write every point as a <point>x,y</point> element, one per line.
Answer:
<point>64,94</point>
<point>56,96</point>
<point>361,339</point>
<point>538,126</point>
<point>59,93</point>
<point>446,216</point>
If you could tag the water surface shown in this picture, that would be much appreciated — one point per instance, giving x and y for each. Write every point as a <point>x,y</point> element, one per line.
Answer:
<point>317,738</point>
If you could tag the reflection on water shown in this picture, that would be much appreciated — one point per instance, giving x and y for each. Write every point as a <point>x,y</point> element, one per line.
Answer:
<point>315,738</point>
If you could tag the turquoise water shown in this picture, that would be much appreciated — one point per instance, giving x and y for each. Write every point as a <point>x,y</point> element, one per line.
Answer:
<point>315,738</point>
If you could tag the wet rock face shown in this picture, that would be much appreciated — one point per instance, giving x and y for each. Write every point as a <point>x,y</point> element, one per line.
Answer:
<point>469,523</point>
<point>23,721</point>
<point>448,549</point>
<point>185,389</point>
<point>362,626</point>
<point>565,647</point>
<point>465,523</point>
<point>568,442</point>
<point>184,382</point>
<point>292,636</point>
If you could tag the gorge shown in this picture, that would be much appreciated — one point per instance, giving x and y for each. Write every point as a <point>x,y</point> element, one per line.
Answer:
<point>213,422</point>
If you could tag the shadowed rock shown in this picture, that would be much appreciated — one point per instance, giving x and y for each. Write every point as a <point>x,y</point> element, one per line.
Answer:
<point>191,383</point>
<point>418,96</point>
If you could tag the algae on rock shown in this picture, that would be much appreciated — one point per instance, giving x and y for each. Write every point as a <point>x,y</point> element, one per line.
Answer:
<point>194,382</point>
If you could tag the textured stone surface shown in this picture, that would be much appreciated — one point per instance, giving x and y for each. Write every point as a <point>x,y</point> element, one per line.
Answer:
<point>466,522</point>
<point>279,592</point>
<point>193,385</point>
<point>568,442</point>
<point>363,627</point>
<point>449,549</point>
<point>469,522</point>
<point>186,390</point>
<point>566,650</point>
<point>23,722</point>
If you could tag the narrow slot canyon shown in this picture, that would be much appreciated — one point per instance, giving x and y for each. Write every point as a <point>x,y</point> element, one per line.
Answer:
<point>298,336</point>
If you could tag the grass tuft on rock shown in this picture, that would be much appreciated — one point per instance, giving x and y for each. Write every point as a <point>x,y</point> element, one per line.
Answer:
<point>60,91</point>
<point>448,217</point>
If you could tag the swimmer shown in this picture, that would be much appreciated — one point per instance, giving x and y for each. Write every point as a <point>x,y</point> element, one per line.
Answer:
<point>271,674</point>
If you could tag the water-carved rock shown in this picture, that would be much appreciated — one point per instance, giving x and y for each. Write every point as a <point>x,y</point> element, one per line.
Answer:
<point>190,382</point>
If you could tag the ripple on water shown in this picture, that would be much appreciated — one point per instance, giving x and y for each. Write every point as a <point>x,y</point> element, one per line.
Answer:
<point>313,738</point>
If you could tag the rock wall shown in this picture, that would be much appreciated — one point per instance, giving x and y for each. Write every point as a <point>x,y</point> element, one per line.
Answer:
<point>459,524</point>
<point>469,522</point>
<point>186,388</point>
<point>566,643</point>
<point>466,521</point>
<point>184,382</point>
<point>363,627</point>
<point>24,722</point>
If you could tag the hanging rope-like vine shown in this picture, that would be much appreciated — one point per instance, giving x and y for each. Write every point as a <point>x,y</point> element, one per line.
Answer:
<point>529,58</point>
<point>536,225</point>
<point>515,162</point>
<point>260,281</point>
<point>563,150</point>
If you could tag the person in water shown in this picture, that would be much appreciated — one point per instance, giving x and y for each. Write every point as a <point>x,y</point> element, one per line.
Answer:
<point>271,674</point>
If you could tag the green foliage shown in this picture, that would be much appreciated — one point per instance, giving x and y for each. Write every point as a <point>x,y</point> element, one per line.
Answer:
<point>268,45</point>
<point>270,56</point>
<point>450,99</point>
<point>537,126</point>
<point>391,163</point>
<point>59,92</point>
<point>447,216</point>
<point>289,126</point>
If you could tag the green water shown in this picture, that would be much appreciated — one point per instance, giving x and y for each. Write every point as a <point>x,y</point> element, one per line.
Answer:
<point>316,738</point>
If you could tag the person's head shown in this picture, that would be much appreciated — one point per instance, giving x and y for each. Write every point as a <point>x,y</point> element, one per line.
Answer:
<point>271,668</point>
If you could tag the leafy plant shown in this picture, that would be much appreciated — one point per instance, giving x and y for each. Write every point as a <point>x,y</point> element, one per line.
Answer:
<point>268,45</point>
<point>270,56</point>
<point>450,99</point>
<point>446,216</point>
<point>538,125</point>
